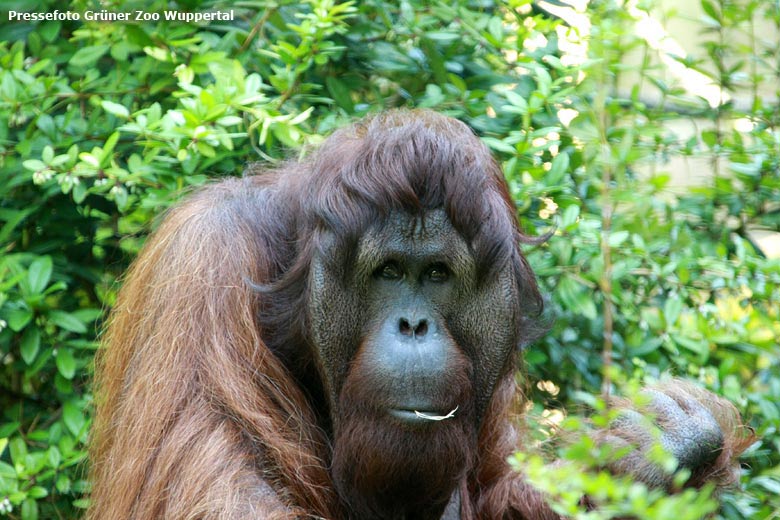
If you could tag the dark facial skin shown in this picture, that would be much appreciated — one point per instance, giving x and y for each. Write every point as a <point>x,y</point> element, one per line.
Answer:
<point>406,330</point>
<point>415,272</point>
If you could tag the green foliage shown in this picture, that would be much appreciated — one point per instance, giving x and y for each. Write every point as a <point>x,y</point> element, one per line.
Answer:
<point>103,125</point>
<point>687,291</point>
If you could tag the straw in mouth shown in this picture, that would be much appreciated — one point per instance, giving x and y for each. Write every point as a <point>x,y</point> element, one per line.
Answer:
<point>429,417</point>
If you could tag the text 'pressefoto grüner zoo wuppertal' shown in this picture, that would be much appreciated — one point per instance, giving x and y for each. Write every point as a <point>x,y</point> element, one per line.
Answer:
<point>123,16</point>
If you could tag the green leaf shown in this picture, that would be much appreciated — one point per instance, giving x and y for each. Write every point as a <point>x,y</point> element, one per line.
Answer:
<point>88,55</point>
<point>30,344</point>
<point>54,457</point>
<point>672,308</point>
<point>29,509</point>
<point>48,154</point>
<point>710,137</point>
<point>90,159</point>
<point>576,298</point>
<point>115,109</point>
<point>724,338</point>
<point>12,219</point>
<point>137,35</point>
<point>34,165</point>
<point>617,238</point>
<point>569,216</point>
<point>67,321</point>
<point>7,429</point>
<point>73,417</point>
<point>559,166</point>
<point>694,345</point>
<point>443,36</point>
<point>18,318</point>
<point>8,87</point>
<point>496,28</point>
<point>7,471</point>
<point>121,50</point>
<point>39,274</point>
<point>229,121</point>
<point>499,145</point>
<point>87,315</point>
<point>79,193</point>
<point>660,180</point>
<point>66,363</point>
<point>18,450</point>
<point>544,81</point>
<point>710,9</point>
<point>108,146</point>
<point>120,197</point>
<point>205,149</point>
<point>340,93</point>
<point>751,169</point>
<point>435,61</point>
<point>517,101</point>
<point>49,30</point>
<point>63,483</point>
<point>81,503</point>
<point>37,492</point>
<point>39,66</point>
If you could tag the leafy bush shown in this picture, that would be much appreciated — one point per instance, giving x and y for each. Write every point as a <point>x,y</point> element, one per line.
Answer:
<point>104,125</point>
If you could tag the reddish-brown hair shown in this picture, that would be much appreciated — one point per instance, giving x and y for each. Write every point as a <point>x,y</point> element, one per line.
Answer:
<point>198,411</point>
<point>195,410</point>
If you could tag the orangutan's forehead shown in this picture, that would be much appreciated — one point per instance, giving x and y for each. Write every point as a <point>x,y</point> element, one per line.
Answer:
<point>429,235</point>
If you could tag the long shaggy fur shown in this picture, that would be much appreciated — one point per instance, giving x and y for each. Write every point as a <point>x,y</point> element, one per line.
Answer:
<point>192,407</point>
<point>197,416</point>
<point>205,406</point>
